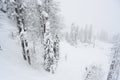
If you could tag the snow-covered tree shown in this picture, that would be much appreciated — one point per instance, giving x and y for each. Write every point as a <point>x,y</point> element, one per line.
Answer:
<point>74,34</point>
<point>86,34</point>
<point>90,34</point>
<point>38,23</point>
<point>81,35</point>
<point>114,71</point>
<point>33,33</point>
<point>50,35</point>
<point>51,8</point>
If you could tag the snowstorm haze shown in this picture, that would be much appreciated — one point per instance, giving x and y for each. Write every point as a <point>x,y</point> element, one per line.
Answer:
<point>103,14</point>
<point>59,39</point>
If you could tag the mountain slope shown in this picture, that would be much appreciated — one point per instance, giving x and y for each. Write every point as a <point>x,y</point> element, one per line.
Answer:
<point>73,64</point>
<point>12,65</point>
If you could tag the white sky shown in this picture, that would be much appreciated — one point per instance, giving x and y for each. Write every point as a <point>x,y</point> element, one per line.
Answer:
<point>99,13</point>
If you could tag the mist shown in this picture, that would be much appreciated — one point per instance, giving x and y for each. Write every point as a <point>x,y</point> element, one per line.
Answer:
<point>102,14</point>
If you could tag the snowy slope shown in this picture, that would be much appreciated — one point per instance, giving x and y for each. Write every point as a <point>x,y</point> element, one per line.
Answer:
<point>12,65</point>
<point>80,58</point>
<point>72,65</point>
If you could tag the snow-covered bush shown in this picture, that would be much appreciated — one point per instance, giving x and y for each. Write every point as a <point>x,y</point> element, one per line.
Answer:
<point>94,73</point>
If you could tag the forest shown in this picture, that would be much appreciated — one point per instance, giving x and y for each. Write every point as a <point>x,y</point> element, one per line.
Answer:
<point>36,43</point>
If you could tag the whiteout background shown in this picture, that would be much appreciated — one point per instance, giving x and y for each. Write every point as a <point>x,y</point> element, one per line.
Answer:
<point>100,13</point>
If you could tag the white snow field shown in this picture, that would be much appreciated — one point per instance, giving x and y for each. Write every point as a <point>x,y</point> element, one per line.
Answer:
<point>73,63</point>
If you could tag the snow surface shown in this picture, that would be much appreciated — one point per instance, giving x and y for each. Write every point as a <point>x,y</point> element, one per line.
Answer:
<point>72,65</point>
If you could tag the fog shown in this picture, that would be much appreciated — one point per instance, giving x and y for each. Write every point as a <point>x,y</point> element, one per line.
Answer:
<point>100,13</point>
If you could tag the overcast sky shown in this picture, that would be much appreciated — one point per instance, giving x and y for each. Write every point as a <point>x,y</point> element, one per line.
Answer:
<point>100,13</point>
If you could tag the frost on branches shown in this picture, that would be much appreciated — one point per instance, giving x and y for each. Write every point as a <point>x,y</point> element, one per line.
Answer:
<point>35,21</point>
<point>51,55</point>
<point>114,72</point>
<point>51,47</point>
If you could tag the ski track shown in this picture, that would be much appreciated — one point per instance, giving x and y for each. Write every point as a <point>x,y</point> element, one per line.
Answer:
<point>72,64</point>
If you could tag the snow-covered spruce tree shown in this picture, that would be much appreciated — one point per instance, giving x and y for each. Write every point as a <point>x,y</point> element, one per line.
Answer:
<point>90,34</point>
<point>51,55</point>
<point>33,32</point>
<point>114,71</point>
<point>20,8</point>
<point>29,26</point>
<point>14,10</point>
<point>74,34</point>
<point>51,39</point>
<point>86,34</point>
<point>81,35</point>
<point>52,9</point>
<point>37,23</point>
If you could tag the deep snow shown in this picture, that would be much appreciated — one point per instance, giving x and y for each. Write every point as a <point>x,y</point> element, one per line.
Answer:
<point>73,63</point>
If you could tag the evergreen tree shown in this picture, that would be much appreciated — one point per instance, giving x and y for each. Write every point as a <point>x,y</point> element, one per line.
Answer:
<point>37,23</point>
<point>90,34</point>
<point>51,40</point>
<point>114,71</point>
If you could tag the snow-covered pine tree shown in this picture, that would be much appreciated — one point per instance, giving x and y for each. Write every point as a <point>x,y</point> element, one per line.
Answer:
<point>28,26</point>
<point>33,32</point>
<point>74,34</point>
<point>90,34</point>
<point>86,34</point>
<point>52,54</point>
<point>51,40</point>
<point>19,9</point>
<point>35,23</point>
<point>52,9</point>
<point>50,49</point>
<point>81,35</point>
<point>114,71</point>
